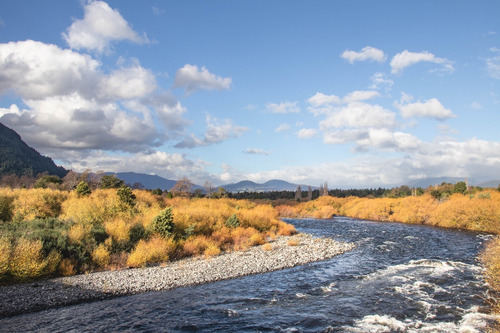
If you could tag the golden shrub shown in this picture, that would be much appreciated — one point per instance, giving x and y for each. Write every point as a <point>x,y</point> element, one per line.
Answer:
<point>99,207</point>
<point>77,233</point>
<point>157,249</point>
<point>38,203</point>
<point>285,229</point>
<point>118,229</point>
<point>267,247</point>
<point>27,261</point>
<point>211,251</point>
<point>5,250</point>
<point>293,241</point>
<point>243,238</point>
<point>196,245</point>
<point>101,256</point>
<point>66,267</point>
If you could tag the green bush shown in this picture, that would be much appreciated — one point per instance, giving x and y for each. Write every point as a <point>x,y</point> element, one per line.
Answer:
<point>6,208</point>
<point>232,221</point>
<point>83,189</point>
<point>126,196</point>
<point>163,222</point>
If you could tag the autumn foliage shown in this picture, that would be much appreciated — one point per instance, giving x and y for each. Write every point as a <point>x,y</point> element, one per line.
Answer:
<point>49,232</point>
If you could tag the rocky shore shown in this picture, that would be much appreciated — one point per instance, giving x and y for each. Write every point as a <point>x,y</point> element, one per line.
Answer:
<point>25,298</point>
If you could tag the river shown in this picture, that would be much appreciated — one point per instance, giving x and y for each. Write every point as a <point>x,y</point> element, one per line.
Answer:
<point>399,278</point>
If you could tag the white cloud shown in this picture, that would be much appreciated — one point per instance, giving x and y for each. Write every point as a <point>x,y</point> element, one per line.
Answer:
<point>126,83</point>
<point>359,115</point>
<point>431,108</point>
<point>100,26</point>
<point>282,128</point>
<point>216,132</point>
<point>283,107</point>
<point>380,80</point>
<point>192,78</point>
<point>367,53</point>
<point>35,70</point>
<point>70,103</point>
<point>360,95</point>
<point>306,133</point>
<point>255,151</point>
<point>320,99</point>
<point>493,64</point>
<point>404,59</point>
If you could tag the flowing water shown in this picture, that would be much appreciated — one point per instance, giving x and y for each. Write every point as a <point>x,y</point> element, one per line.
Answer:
<point>400,278</point>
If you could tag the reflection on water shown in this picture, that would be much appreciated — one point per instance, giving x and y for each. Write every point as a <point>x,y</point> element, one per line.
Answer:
<point>400,278</point>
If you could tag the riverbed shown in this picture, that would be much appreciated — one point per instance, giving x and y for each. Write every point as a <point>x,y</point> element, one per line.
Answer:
<point>399,278</point>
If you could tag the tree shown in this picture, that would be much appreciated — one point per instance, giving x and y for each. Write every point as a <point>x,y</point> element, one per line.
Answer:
<point>232,221</point>
<point>208,188</point>
<point>460,187</point>
<point>298,194</point>
<point>48,181</point>
<point>111,181</point>
<point>83,189</point>
<point>182,188</point>
<point>163,223</point>
<point>126,196</point>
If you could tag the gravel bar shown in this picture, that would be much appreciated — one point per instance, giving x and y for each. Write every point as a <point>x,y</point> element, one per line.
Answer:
<point>45,294</point>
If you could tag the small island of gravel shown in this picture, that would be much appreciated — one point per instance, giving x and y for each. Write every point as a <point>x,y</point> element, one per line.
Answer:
<point>284,252</point>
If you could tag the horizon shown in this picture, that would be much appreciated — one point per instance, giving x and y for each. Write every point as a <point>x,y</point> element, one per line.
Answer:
<point>357,94</point>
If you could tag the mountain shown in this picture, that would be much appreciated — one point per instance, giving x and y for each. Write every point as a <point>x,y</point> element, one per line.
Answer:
<point>150,182</point>
<point>426,182</point>
<point>271,185</point>
<point>16,157</point>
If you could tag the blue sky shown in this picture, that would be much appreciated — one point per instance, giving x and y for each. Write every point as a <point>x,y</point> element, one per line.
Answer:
<point>355,93</point>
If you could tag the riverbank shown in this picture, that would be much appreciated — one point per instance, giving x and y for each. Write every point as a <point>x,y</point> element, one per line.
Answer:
<point>283,252</point>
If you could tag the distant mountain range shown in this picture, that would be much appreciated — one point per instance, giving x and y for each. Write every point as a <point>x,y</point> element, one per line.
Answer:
<point>271,185</point>
<point>17,158</point>
<point>426,182</point>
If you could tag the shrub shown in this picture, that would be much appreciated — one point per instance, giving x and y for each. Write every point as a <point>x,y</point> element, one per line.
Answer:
<point>163,222</point>
<point>232,221</point>
<point>211,251</point>
<point>267,247</point>
<point>5,250</point>
<point>157,249</point>
<point>27,261</point>
<point>83,189</point>
<point>293,242</point>
<point>6,208</point>
<point>66,267</point>
<point>101,256</point>
<point>127,197</point>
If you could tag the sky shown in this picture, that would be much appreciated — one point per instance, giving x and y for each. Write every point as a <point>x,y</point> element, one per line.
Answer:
<point>354,93</point>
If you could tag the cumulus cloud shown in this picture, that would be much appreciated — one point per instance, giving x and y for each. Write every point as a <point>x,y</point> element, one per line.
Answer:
<point>320,99</point>
<point>431,108</point>
<point>217,132</point>
<point>255,151</point>
<point>306,133</point>
<point>171,166</point>
<point>359,115</point>
<point>193,78</point>
<point>283,107</point>
<point>71,103</point>
<point>367,53</point>
<point>360,95</point>
<point>100,26</point>
<point>406,58</point>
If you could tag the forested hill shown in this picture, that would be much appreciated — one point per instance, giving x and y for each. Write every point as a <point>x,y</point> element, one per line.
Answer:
<point>16,157</point>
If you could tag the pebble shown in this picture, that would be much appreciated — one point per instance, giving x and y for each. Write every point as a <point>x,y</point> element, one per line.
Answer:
<point>25,298</point>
